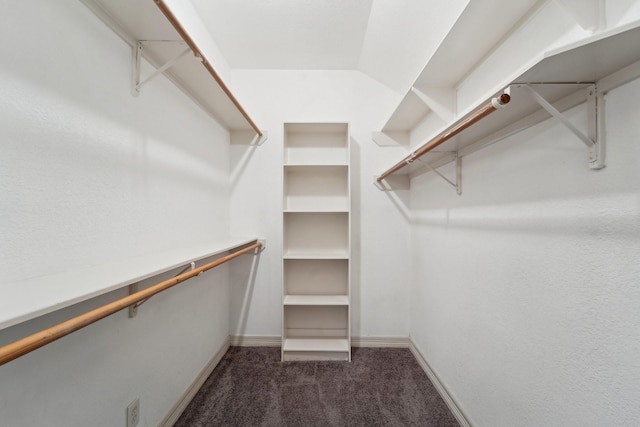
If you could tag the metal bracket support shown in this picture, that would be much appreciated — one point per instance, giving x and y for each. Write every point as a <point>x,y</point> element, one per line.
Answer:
<point>133,288</point>
<point>594,138</point>
<point>137,61</point>
<point>458,184</point>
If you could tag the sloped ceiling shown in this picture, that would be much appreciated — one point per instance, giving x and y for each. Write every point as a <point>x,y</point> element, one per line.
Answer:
<point>287,34</point>
<point>390,40</point>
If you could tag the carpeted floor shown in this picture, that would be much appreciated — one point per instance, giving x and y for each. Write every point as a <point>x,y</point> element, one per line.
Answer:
<point>380,387</point>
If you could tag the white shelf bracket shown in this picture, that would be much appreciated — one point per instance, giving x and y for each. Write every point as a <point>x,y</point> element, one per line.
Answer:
<point>137,61</point>
<point>133,309</point>
<point>589,14</point>
<point>133,288</point>
<point>439,100</point>
<point>390,139</point>
<point>594,138</point>
<point>458,183</point>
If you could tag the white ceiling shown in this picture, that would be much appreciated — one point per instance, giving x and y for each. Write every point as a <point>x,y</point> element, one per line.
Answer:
<point>390,40</point>
<point>287,34</point>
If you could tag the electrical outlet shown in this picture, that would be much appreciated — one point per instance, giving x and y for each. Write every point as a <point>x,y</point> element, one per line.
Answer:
<point>133,413</point>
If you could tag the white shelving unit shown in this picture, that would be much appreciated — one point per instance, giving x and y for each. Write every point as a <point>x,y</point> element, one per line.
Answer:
<point>155,38</point>
<point>316,242</point>
<point>548,85</point>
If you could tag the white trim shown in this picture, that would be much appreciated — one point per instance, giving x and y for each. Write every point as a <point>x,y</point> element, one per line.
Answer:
<point>454,407</point>
<point>276,341</point>
<point>170,419</point>
<point>395,342</point>
<point>256,340</point>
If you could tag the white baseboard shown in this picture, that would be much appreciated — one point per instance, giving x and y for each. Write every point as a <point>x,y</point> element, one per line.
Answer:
<point>395,342</point>
<point>276,341</point>
<point>255,341</point>
<point>175,412</point>
<point>455,409</point>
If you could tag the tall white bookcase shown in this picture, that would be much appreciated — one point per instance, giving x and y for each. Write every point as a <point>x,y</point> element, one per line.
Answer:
<point>316,314</point>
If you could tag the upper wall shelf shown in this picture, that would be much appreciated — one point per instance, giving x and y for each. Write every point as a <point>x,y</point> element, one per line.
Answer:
<point>157,36</point>
<point>452,61</point>
<point>558,80</point>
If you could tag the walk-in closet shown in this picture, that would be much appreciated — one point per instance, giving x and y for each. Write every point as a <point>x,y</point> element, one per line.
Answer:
<point>320,212</point>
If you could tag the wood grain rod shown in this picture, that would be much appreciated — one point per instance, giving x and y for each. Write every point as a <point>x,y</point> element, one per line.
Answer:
<point>196,51</point>
<point>30,343</point>
<point>478,115</point>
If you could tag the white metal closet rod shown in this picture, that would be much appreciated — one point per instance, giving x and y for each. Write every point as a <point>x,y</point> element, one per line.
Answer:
<point>478,115</point>
<point>30,343</point>
<point>194,47</point>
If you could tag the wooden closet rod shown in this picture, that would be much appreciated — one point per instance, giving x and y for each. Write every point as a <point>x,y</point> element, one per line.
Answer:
<point>26,345</point>
<point>478,115</point>
<point>194,47</point>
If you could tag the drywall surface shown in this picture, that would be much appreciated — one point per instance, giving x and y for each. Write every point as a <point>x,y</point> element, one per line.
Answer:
<point>525,289</point>
<point>401,36</point>
<point>380,229</point>
<point>288,35</point>
<point>189,18</point>
<point>619,12</point>
<point>90,175</point>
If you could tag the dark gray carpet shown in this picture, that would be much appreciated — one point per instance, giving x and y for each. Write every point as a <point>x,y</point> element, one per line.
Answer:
<point>380,387</point>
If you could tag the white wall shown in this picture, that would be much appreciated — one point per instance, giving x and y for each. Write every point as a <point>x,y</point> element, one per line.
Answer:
<point>379,286</point>
<point>524,297</point>
<point>90,174</point>
<point>525,288</point>
<point>402,35</point>
<point>188,17</point>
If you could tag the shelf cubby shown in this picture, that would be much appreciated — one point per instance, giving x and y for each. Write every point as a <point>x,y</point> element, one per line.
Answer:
<point>316,144</point>
<point>316,234</point>
<point>316,188</point>
<point>316,277</point>
<point>316,321</point>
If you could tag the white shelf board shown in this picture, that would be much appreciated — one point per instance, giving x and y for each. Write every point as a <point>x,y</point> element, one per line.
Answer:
<point>521,105</point>
<point>315,163</point>
<point>308,167</point>
<point>316,344</point>
<point>587,60</point>
<point>319,128</point>
<point>315,300</point>
<point>407,115</point>
<point>316,255</point>
<point>315,210</point>
<point>33,297</point>
<point>482,25</point>
<point>577,65</point>
<point>137,21</point>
